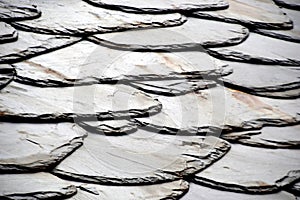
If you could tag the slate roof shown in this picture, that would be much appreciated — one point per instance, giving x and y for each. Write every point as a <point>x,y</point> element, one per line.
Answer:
<point>174,99</point>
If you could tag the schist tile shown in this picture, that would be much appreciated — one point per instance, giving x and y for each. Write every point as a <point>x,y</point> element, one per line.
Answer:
<point>142,157</point>
<point>252,13</point>
<point>7,33</point>
<point>252,170</point>
<point>192,34</point>
<point>61,17</point>
<point>79,103</point>
<point>261,49</point>
<point>7,74</point>
<point>29,147</point>
<point>292,4</point>
<point>153,6</point>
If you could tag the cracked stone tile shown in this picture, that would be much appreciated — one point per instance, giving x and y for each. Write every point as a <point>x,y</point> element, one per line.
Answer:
<point>292,35</point>
<point>160,6</point>
<point>207,193</point>
<point>173,87</point>
<point>264,80</point>
<point>260,49</point>
<point>109,127</point>
<point>34,186</point>
<point>73,103</point>
<point>7,74</point>
<point>7,33</point>
<point>61,17</point>
<point>36,147</point>
<point>268,137</point>
<point>252,13</point>
<point>191,34</point>
<point>140,158</point>
<point>220,109</point>
<point>291,4</point>
<point>32,44</point>
<point>170,190</point>
<point>14,10</point>
<point>79,64</point>
<point>252,170</point>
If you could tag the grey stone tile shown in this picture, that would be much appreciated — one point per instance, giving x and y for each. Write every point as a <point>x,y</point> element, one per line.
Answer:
<point>7,74</point>
<point>292,4</point>
<point>7,33</point>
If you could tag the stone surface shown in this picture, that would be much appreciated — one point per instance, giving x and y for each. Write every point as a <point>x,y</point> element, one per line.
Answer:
<point>13,10</point>
<point>74,103</point>
<point>220,109</point>
<point>154,6</point>
<point>36,147</point>
<point>170,190</point>
<point>292,4</point>
<point>289,35</point>
<point>261,49</point>
<point>268,137</point>
<point>86,63</point>
<point>34,186</point>
<point>294,188</point>
<point>7,74</point>
<point>140,158</point>
<point>191,34</point>
<point>252,170</point>
<point>264,80</point>
<point>62,18</point>
<point>206,193</point>
<point>7,33</point>
<point>32,44</point>
<point>252,13</point>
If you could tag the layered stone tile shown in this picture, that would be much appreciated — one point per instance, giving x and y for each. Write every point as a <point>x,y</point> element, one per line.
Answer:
<point>7,74</point>
<point>252,13</point>
<point>273,81</point>
<point>252,170</point>
<point>268,137</point>
<point>261,49</point>
<point>34,186</point>
<point>140,158</point>
<point>62,18</point>
<point>14,10</point>
<point>170,190</point>
<point>87,63</point>
<point>193,33</point>
<point>7,33</point>
<point>160,6</point>
<point>207,193</point>
<point>292,4</point>
<point>219,109</point>
<point>79,103</point>
<point>32,44</point>
<point>292,35</point>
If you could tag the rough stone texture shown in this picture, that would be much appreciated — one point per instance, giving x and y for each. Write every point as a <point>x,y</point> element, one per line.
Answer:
<point>13,10</point>
<point>191,34</point>
<point>206,193</point>
<point>292,4</point>
<point>294,188</point>
<point>7,74</point>
<point>173,87</point>
<point>261,49</point>
<point>81,103</point>
<point>32,44</point>
<point>170,190</point>
<point>220,109</point>
<point>252,13</point>
<point>34,186</point>
<point>268,137</point>
<point>61,17</point>
<point>36,147</point>
<point>264,80</point>
<point>252,170</point>
<point>140,158</point>
<point>154,6</point>
<point>292,35</point>
<point>7,33</point>
<point>87,63</point>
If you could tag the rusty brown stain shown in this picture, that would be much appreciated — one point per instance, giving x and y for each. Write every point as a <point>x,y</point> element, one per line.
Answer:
<point>47,70</point>
<point>170,62</point>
